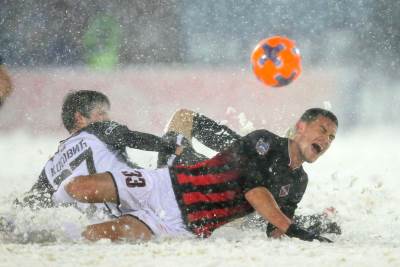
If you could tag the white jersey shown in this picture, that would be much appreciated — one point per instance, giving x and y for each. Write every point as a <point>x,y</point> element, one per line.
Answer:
<point>100,147</point>
<point>81,154</point>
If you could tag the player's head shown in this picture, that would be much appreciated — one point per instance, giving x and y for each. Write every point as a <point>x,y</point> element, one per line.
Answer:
<point>314,133</point>
<point>80,108</point>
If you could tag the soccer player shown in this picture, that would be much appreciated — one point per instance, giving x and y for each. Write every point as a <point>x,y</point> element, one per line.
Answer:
<point>258,172</point>
<point>5,82</point>
<point>96,144</point>
<point>217,137</point>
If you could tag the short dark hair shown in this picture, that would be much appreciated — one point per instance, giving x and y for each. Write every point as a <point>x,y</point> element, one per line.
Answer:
<point>82,101</point>
<point>312,114</point>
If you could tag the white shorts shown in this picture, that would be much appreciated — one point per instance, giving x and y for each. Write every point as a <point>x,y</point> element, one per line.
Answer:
<point>149,196</point>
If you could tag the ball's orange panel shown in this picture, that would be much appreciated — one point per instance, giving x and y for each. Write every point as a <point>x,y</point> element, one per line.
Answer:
<point>276,61</point>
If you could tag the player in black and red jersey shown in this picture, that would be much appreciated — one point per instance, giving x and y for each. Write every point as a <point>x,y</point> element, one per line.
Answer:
<point>217,137</point>
<point>260,171</point>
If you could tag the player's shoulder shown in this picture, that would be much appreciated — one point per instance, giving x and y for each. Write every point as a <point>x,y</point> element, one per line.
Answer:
<point>302,178</point>
<point>264,141</point>
<point>109,132</point>
<point>103,127</point>
<point>266,135</point>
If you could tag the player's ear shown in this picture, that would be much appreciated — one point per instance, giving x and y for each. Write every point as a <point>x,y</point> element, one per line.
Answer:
<point>79,120</point>
<point>300,126</point>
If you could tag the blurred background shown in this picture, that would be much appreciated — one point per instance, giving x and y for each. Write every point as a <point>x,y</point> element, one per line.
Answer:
<point>152,57</point>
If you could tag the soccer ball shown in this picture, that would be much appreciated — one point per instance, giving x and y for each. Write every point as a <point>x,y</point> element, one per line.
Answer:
<point>276,61</point>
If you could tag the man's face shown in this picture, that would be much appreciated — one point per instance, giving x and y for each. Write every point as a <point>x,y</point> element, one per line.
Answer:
<point>98,113</point>
<point>315,137</point>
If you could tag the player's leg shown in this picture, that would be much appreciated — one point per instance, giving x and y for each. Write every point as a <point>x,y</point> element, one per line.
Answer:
<point>182,123</point>
<point>180,126</point>
<point>192,124</point>
<point>126,227</point>
<point>209,132</point>
<point>94,188</point>
<point>147,204</point>
<point>97,188</point>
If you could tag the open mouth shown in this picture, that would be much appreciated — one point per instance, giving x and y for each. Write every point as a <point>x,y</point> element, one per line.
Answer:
<point>317,148</point>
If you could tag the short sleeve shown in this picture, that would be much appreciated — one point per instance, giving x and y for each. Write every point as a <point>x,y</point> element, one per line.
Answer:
<point>257,150</point>
<point>254,178</point>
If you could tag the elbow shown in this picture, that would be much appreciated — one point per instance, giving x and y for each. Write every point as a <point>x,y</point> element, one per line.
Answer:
<point>255,194</point>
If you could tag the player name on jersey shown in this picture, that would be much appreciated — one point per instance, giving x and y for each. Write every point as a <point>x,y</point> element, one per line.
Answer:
<point>71,152</point>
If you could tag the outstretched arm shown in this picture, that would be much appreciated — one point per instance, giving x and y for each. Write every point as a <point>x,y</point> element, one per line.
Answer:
<point>149,142</point>
<point>118,135</point>
<point>264,203</point>
<point>93,188</point>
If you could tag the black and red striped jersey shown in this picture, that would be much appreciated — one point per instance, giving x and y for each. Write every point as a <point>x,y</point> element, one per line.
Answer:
<point>211,193</point>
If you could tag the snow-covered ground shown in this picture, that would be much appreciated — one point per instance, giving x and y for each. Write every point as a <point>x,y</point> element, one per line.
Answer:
<point>358,176</point>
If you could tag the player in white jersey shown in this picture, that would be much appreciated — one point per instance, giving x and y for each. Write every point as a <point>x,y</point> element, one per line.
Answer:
<point>95,145</point>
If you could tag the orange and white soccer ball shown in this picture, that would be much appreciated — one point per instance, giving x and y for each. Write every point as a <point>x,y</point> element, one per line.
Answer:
<point>276,61</point>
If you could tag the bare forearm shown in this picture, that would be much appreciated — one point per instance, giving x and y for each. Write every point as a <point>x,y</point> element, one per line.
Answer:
<point>264,203</point>
<point>94,188</point>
